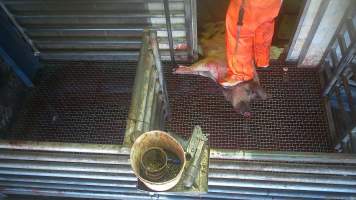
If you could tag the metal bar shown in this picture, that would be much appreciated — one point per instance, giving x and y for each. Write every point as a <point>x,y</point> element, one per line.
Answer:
<point>78,167</point>
<point>161,78</point>
<point>327,105</point>
<point>335,61</point>
<point>342,115</point>
<point>20,30</point>
<point>349,97</point>
<point>137,91</point>
<point>340,68</point>
<point>70,193</point>
<point>279,193</point>
<point>301,18</point>
<point>68,181</point>
<point>64,147</point>
<point>282,177</point>
<point>149,103</point>
<point>68,174</point>
<point>67,187</point>
<point>314,27</point>
<point>282,167</point>
<point>341,41</point>
<point>138,195</point>
<point>328,158</point>
<point>142,106</point>
<point>64,157</point>
<point>18,71</point>
<point>155,114</point>
<point>169,31</point>
<point>282,185</point>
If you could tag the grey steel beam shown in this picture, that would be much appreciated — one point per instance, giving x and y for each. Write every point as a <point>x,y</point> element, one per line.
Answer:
<point>64,147</point>
<point>301,157</point>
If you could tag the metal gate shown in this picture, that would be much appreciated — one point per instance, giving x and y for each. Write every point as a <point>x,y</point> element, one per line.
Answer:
<point>102,30</point>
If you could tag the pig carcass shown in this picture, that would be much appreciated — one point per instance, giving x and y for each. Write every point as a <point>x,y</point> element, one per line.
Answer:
<point>239,96</point>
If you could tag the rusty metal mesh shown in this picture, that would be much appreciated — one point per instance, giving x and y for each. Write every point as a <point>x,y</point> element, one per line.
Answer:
<point>88,102</point>
<point>84,102</point>
<point>292,120</point>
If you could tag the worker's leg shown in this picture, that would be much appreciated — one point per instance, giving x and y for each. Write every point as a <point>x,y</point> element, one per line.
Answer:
<point>239,60</point>
<point>262,43</point>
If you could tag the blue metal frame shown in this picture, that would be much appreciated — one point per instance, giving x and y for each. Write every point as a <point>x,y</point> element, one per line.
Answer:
<point>15,51</point>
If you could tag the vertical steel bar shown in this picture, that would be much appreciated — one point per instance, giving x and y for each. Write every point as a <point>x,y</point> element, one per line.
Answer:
<point>169,31</point>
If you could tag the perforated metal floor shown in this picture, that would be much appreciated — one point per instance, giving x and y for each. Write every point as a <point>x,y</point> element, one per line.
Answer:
<point>292,120</point>
<point>88,103</point>
<point>84,102</point>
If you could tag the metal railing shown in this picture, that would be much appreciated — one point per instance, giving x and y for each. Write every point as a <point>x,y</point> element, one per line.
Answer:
<point>103,171</point>
<point>102,30</point>
<point>338,74</point>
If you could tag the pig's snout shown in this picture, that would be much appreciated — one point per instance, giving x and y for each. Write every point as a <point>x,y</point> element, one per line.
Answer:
<point>244,109</point>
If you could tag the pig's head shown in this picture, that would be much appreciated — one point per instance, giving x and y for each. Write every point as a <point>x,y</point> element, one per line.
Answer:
<point>242,94</point>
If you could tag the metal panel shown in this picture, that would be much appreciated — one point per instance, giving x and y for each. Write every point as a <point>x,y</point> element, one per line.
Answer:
<point>103,30</point>
<point>231,176</point>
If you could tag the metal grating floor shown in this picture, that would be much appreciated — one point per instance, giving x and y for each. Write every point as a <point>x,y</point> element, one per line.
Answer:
<point>292,120</point>
<point>85,102</point>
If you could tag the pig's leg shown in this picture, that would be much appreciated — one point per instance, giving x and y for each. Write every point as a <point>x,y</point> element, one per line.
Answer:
<point>197,69</point>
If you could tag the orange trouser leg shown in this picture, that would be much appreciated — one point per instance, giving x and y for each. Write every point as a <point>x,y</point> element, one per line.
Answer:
<point>240,61</point>
<point>255,36</point>
<point>262,43</point>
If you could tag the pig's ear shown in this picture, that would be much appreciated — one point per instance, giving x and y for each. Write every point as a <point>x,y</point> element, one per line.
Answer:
<point>261,93</point>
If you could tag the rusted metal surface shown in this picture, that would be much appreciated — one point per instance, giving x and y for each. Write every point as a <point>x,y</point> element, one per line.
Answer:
<point>149,107</point>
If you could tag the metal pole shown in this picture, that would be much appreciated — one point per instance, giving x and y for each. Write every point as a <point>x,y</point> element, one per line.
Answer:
<point>78,167</point>
<point>278,193</point>
<point>64,147</point>
<point>157,58</point>
<point>169,31</point>
<point>282,167</point>
<point>64,157</point>
<point>68,174</point>
<point>22,33</point>
<point>282,185</point>
<point>280,176</point>
<point>303,157</point>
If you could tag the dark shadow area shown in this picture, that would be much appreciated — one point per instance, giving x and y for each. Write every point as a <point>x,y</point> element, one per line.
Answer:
<point>81,102</point>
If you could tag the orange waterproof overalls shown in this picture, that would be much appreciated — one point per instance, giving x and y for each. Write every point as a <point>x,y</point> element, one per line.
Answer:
<point>254,38</point>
